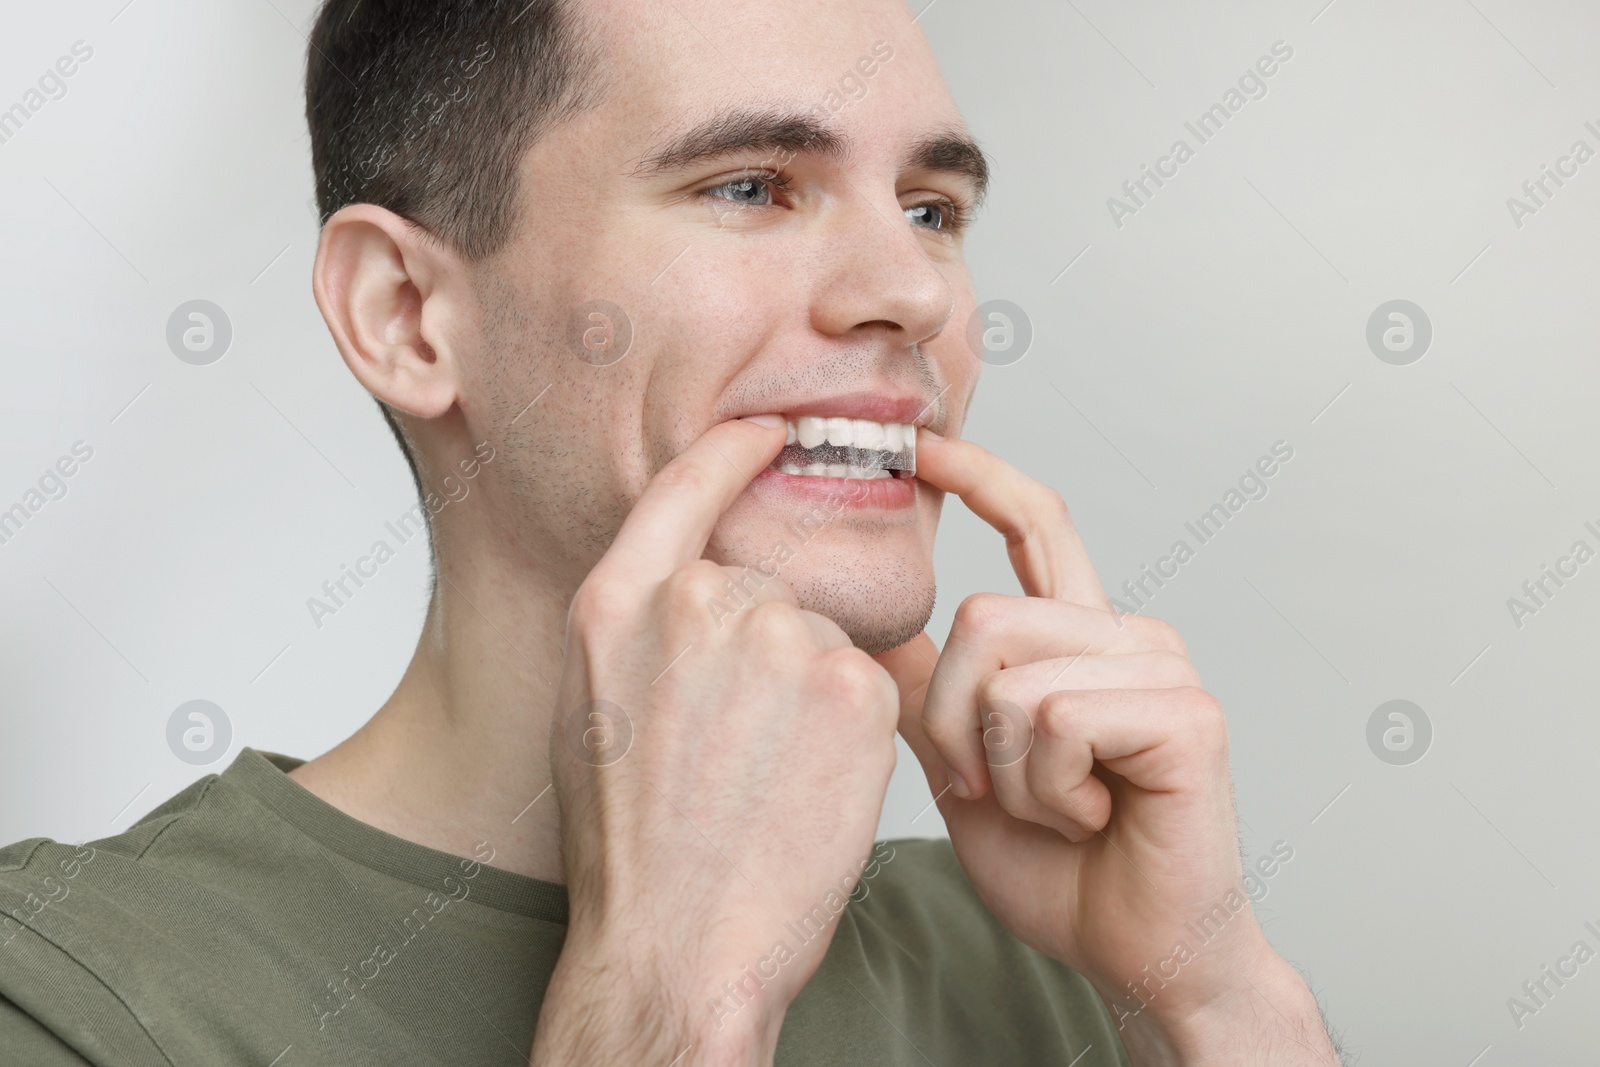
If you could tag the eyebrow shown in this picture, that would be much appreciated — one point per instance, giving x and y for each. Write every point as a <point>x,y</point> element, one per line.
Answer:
<point>794,132</point>
<point>952,151</point>
<point>744,130</point>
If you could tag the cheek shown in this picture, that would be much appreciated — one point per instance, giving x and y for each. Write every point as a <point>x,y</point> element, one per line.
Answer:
<point>718,308</point>
<point>959,369</point>
<point>564,431</point>
<point>727,295</point>
<point>617,431</point>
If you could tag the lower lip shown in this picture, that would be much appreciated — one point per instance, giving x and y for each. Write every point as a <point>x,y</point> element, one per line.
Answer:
<point>854,492</point>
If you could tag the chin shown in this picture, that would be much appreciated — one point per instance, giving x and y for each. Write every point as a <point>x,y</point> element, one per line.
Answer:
<point>870,571</point>
<point>879,601</point>
<point>878,617</point>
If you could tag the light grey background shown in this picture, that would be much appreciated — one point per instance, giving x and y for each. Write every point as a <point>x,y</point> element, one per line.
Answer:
<point>1169,353</point>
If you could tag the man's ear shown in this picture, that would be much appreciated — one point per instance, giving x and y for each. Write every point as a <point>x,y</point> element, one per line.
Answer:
<point>389,295</point>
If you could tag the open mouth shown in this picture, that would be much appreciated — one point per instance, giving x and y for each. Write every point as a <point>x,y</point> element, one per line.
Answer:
<point>836,447</point>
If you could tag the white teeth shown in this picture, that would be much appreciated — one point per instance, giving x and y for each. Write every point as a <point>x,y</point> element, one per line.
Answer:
<point>811,431</point>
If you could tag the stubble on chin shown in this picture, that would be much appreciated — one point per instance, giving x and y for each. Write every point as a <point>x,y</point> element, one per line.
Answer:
<point>878,606</point>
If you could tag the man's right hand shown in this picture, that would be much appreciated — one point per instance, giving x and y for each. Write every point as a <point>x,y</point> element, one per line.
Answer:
<point>719,776</point>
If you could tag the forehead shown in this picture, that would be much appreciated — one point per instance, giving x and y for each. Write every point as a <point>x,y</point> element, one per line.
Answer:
<point>860,66</point>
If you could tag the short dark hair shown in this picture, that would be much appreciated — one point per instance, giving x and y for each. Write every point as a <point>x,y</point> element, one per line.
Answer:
<point>426,107</point>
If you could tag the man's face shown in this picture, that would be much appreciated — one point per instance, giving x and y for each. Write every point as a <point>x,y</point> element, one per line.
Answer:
<point>772,196</point>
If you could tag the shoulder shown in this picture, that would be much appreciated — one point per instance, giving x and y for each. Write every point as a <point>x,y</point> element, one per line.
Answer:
<point>55,1006</point>
<point>25,863</point>
<point>48,887</point>
<point>73,918</point>
<point>38,875</point>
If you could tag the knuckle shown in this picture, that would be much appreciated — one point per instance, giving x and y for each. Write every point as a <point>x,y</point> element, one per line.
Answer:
<point>1204,717</point>
<point>1058,714</point>
<point>856,681</point>
<point>996,689</point>
<point>600,605</point>
<point>774,624</point>
<point>1045,513</point>
<point>946,735</point>
<point>1174,669</point>
<point>981,614</point>
<point>1053,504</point>
<point>1162,635</point>
<point>691,585</point>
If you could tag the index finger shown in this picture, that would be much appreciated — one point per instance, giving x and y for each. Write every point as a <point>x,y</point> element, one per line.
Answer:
<point>674,517</point>
<point>1043,544</point>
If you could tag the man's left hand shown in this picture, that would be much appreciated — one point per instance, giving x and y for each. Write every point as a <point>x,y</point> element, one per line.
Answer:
<point>1083,775</point>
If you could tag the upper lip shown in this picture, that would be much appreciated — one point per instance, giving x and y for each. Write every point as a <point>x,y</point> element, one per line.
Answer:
<point>875,407</point>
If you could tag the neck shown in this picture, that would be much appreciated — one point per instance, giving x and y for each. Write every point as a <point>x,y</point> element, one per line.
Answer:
<point>459,754</point>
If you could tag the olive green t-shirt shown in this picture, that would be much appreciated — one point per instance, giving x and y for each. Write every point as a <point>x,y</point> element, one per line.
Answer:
<point>245,921</point>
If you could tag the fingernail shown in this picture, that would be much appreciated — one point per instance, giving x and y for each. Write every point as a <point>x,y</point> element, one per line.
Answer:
<point>958,786</point>
<point>930,433</point>
<point>772,422</point>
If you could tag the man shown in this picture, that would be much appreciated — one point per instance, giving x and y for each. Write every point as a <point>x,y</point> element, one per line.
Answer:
<point>678,287</point>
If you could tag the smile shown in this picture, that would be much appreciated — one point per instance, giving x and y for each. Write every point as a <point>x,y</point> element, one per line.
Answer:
<point>837,447</point>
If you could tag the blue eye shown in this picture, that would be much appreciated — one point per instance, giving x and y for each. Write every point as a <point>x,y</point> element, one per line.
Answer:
<point>927,216</point>
<point>752,192</point>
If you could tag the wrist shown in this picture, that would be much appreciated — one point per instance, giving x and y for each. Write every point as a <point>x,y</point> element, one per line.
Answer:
<point>1259,1013</point>
<point>618,1004</point>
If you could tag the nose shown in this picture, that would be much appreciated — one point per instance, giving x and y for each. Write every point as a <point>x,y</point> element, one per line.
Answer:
<point>876,275</point>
